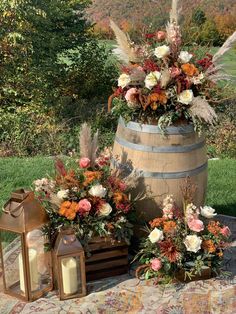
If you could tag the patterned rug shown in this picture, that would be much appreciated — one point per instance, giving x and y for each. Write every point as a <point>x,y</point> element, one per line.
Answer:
<point>126,294</point>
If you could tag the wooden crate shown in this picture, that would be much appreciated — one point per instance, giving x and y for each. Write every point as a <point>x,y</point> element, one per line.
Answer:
<point>109,258</point>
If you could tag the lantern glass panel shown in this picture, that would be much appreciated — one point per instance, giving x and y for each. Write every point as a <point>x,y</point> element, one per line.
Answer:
<point>13,262</point>
<point>71,275</point>
<point>39,261</point>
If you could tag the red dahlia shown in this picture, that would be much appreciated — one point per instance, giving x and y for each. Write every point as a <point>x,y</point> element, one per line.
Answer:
<point>169,250</point>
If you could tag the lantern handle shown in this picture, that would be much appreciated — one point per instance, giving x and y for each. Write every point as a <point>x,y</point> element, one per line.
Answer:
<point>10,211</point>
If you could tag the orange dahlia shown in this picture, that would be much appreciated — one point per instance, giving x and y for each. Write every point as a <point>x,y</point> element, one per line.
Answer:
<point>189,69</point>
<point>90,176</point>
<point>120,197</point>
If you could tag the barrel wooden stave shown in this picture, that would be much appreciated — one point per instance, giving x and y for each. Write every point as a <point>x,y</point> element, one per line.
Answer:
<point>165,161</point>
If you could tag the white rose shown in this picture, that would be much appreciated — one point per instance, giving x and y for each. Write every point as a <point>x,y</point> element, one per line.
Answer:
<point>184,56</point>
<point>124,80</point>
<point>156,235</point>
<point>62,194</point>
<point>152,79</point>
<point>105,210</point>
<point>98,190</point>
<point>162,51</point>
<point>186,97</point>
<point>208,212</point>
<point>193,243</point>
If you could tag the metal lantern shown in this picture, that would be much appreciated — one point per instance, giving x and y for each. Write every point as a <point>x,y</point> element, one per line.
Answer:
<point>27,268</point>
<point>69,265</point>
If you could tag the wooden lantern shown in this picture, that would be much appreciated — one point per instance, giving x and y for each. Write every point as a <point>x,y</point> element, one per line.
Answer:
<point>69,265</point>
<point>27,274</point>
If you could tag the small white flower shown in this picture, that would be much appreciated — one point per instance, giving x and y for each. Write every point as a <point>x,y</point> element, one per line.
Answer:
<point>193,243</point>
<point>156,235</point>
<point>197,79</point>
<point>98,190</point>
<point>62,194</point>
<point>185,56</point>
<point>152,78</point>
<point>208,212</point>
<point>105,210</point>
<point>162,51</point>
<point>186,97</point>
<point>124,80</point>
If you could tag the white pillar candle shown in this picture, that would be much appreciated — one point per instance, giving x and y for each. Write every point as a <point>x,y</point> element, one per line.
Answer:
<point>69,275</point>
<point>34,275</point>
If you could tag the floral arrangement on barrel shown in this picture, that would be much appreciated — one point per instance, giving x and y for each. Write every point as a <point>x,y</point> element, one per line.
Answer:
<point>182,244</point>
<point>91,198</point>
<point>163,82</point>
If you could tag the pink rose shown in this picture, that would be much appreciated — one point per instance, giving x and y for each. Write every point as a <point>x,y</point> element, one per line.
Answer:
<point>196,225</point>
<point>225,231</point>
<point>160,35</point>
<point>84,162</point>
<point>130,95</point>
<point>156,264</point>
<point>174,72</point>
<point>83,207</point>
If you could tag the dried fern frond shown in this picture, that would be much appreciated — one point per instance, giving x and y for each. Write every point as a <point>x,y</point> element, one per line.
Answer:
<point>215,77</point>
<point>88,145</point>
<point>229,43</point>
<point>125,50</point>
<point>201,109</point>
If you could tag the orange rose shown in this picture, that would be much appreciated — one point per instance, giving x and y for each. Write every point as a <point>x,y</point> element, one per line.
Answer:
<point>158,97</point>
<point>189,69</point>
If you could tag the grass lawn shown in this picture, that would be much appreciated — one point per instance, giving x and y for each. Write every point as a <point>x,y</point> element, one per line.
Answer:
<point>20,172</point>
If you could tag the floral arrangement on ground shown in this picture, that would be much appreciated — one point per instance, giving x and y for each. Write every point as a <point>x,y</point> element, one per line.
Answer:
<point>92,199</point>
<point>164,83</point>
<point>186,242</point>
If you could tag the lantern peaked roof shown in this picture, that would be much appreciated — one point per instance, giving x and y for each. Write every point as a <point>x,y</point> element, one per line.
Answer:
<point>22,213</point>
<point>67,243</point>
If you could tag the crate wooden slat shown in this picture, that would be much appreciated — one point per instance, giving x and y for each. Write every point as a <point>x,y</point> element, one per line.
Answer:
<point>108,258</point>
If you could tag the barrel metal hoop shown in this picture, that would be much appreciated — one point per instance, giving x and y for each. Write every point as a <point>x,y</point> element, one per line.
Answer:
<point>167,175</point>
<point>159,149</point>
<point>154,129</point>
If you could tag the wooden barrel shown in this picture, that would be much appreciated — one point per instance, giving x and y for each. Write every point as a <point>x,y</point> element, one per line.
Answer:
<point>165,161</point>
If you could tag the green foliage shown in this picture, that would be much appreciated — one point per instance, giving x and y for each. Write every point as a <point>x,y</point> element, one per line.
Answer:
<point>198,17</point>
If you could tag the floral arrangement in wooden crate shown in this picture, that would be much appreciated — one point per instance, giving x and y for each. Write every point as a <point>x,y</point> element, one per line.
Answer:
<point>162,82</point>
<point>91,198</point>
<point>183,241</point>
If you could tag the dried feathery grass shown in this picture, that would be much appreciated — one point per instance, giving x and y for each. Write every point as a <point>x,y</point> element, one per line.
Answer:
<point>165,78</point>
<point>88,145</point>
<point>174,12</point>
<point>202,110</point>
<point>229,43</point>
<point>125,50</point>
<point>55,200</point>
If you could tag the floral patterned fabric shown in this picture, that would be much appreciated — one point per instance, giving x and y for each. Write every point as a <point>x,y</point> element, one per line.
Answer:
<point>126,294</point>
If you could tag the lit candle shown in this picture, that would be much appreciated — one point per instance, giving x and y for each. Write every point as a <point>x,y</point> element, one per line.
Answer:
<point>69,275</point>
<point>34,275</point>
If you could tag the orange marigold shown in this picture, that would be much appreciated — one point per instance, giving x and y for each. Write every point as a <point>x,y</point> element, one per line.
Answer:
<point>209,246</point>
<point>90,176</point>
<point>169,226</point>
<point>214,227</point>
<point>68,209</point>
<point>157,222</point>
<point>189,69</point>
